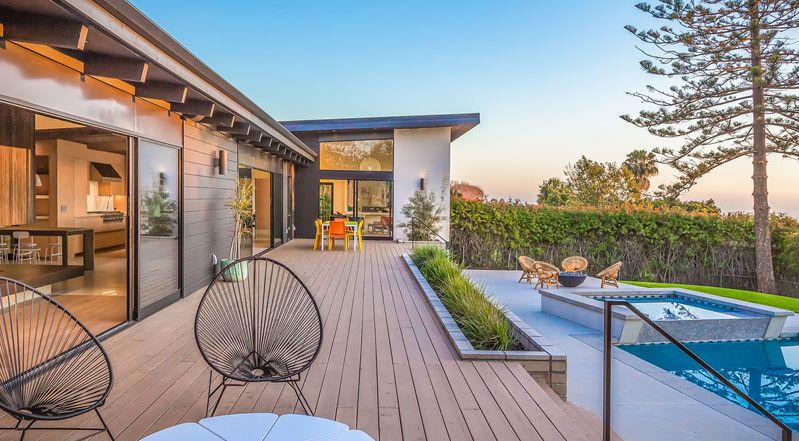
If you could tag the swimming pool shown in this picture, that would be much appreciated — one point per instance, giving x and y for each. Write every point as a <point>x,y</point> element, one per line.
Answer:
<point>676,307</point>
<point>767,370</point>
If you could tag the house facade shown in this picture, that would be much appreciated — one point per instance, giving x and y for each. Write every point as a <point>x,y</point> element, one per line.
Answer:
<point>368,168</point>
<point>119,152</point>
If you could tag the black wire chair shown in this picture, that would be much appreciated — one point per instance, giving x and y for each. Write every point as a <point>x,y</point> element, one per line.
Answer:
<point>263,327</point>
<point>51,367</point>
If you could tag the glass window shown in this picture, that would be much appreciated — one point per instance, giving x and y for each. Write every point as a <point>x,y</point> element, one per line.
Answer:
<point>367,155</point>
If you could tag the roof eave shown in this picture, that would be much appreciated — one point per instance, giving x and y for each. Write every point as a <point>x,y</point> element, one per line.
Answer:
<point>460,124</point>
<point>139,23</point>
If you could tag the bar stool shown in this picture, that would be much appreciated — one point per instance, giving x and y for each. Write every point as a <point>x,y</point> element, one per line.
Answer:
<point>53,252</point>
<point>25,252</point>
<point>5,249</point>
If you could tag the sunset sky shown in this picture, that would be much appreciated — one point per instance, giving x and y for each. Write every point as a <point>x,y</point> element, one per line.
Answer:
<point>548,78</point>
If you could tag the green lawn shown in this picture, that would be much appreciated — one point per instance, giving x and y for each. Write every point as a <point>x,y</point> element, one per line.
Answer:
<point>788,303</point>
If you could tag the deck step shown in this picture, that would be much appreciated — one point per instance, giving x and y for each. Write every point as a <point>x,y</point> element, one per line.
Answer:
<point>590,423</point>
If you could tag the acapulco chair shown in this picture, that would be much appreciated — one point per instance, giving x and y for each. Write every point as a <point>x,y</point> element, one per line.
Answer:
<point>257,322</point>
<point>51,367</point>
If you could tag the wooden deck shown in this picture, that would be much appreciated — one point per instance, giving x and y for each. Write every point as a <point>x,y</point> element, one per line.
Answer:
<point>386,367</point>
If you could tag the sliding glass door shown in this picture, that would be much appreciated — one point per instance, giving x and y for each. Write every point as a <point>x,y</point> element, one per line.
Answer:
<point>369,200</point>
<point>374,207</point>
<point>262,211</point>
<point>159,234</point>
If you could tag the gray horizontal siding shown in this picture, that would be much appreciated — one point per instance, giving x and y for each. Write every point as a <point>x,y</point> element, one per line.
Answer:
<point>207,223</point>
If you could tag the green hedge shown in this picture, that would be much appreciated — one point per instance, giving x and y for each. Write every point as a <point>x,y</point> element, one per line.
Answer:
<point>655,245</point>
<point>480,319</point>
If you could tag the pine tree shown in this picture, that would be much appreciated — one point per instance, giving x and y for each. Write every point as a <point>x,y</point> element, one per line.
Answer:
<point>732,80</point>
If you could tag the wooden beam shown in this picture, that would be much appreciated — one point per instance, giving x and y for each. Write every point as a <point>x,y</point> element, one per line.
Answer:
<point>43,29</point>
<point>220,119</point>
<point>128,69</point>
<point>174,93</point>
<point>264,143</point>
<point>238,128</point>
<point>253,136</point>
<point>194,107</point>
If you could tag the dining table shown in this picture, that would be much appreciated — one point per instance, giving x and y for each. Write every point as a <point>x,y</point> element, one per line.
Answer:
<point>350,225</point>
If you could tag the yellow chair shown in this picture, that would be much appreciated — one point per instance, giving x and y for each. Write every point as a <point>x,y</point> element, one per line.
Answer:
<point>317,242</point>
<point>358,233</point>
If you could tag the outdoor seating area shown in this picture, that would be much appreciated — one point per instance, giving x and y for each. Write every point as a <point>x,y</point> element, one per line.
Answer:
<point>571,274</point>
<point>348,231</point>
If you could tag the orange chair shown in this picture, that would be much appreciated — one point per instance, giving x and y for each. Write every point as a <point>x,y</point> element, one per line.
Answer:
<point>317,242</point>
<point>337,230</point>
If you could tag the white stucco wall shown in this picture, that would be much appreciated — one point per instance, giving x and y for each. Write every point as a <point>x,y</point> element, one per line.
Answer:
<point>421,153</point>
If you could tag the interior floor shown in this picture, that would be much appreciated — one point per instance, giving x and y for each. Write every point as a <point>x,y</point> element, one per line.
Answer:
<point>99,298</point>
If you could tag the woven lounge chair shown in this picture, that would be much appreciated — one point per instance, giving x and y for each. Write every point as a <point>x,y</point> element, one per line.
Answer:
<point>528,272</point>
<point>610,275</point>
<point>53,368</point>
<point>263,328</point>
<point>574,264</point>
<point>547,274</point>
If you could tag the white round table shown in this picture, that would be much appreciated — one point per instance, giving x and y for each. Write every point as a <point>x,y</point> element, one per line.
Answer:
<point>260,427</point>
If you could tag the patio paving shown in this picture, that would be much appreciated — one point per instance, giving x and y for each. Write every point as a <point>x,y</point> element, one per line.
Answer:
<point>386,367</point>
<point>646,408</point>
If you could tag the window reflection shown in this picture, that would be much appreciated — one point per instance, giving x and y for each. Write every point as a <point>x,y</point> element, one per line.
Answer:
<point>366,155</point>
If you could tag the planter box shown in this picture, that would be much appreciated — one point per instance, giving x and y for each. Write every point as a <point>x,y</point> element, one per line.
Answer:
<point>540,358</point>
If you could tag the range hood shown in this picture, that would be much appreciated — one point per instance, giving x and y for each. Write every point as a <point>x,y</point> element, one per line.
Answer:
<point>102,172</point>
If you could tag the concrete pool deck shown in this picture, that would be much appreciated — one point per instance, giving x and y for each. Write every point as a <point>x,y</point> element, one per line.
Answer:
<point>647,405</point>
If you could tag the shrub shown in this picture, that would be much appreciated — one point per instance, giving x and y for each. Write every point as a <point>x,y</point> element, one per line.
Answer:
<point>424,214</point>
<point>482,321</point>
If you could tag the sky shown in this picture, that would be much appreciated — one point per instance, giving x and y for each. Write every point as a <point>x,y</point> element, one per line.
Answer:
<point>549,79</point>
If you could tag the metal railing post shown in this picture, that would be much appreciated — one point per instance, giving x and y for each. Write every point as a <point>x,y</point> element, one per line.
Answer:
<point>606,360</point>
<point>787,433</point>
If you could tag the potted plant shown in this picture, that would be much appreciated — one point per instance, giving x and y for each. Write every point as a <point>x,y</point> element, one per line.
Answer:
<point>241,205</point>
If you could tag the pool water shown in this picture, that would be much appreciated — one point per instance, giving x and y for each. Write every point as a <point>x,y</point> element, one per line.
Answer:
<point>767,370</point>
<point>674,307</point>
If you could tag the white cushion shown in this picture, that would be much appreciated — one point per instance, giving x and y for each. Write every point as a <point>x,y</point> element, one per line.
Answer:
<point>183,432</point>
<point>242,426</point>
<point>302,427</point>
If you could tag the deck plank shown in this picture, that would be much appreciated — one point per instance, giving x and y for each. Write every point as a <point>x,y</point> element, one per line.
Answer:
<point>385,367</point>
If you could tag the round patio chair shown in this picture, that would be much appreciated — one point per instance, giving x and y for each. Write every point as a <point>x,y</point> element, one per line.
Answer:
<point>52,368</point>
<point>547,274</point>
<point>574,264</point>
<point>263,325</point>
<point>528,271</point>
<point>610,275</point>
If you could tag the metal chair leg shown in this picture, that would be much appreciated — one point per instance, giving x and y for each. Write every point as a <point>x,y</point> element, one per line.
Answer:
<point>209,411</point>
<point>105,426</point>
<point>303,402</point>
<point>25,430</point>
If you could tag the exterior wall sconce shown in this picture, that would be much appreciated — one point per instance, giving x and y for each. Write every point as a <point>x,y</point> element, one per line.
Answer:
<point>222,162</point>
<point>421,184</point>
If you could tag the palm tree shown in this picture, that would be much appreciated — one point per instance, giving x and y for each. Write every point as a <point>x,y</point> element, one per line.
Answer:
<point>642,165</point>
